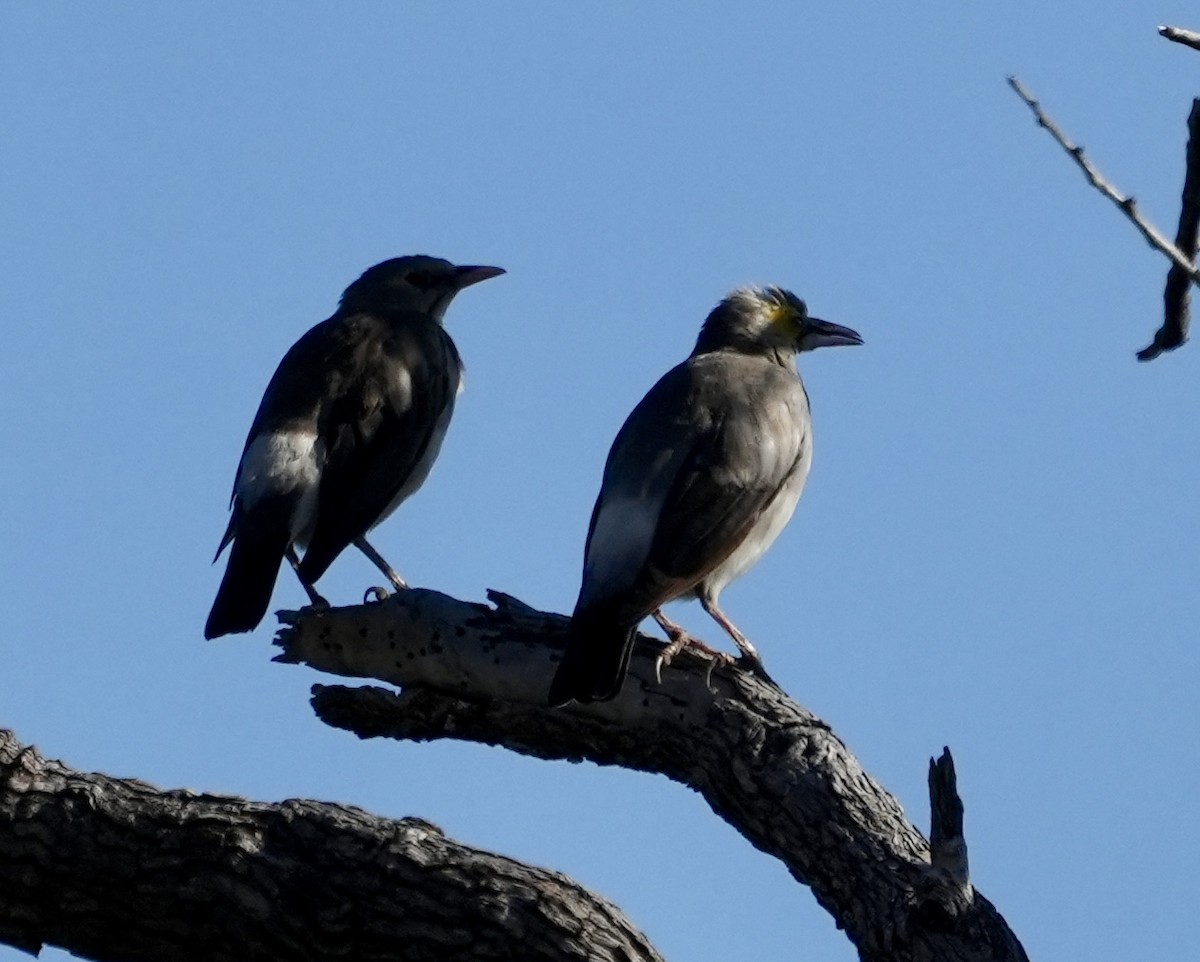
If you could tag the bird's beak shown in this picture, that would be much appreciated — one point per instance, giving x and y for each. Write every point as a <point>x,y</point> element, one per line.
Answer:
<point>466,276</point>
<point>819,333</point>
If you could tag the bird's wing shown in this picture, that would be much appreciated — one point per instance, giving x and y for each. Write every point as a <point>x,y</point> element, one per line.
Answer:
<point>729,456</point>
<point>289,379</point>
<point>721,492</point>
<point>384,428</point>
<point>287,410</point>
<point>642,464</point>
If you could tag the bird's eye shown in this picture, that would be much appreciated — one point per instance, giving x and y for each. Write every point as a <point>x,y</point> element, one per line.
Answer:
<point>419,279</point>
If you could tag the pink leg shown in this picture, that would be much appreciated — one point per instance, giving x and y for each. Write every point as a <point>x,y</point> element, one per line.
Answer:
<point>739,639</point>
<point>678,639</point>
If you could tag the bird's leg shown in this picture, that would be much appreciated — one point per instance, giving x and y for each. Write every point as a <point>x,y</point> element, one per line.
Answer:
<point>676,634</point>
<point>313,597</point>
<point>739,639</point>
<point>377,560</point>
<point>678,639</point>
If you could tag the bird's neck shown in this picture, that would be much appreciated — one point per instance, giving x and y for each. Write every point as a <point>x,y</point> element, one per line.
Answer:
<point>783,356</point>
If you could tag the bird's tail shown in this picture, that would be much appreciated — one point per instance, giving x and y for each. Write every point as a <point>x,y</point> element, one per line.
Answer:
<point>599,643</point>
<point>245,592</point>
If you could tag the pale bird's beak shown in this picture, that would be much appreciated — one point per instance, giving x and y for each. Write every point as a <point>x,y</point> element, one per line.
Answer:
<point>819,333</point>
<point>466,276</point>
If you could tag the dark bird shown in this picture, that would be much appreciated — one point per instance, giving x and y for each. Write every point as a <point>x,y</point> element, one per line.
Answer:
<point>701,479</point>
<point>349,426</point>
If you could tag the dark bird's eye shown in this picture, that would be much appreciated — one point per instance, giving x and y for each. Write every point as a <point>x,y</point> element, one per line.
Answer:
<point>419,279</point>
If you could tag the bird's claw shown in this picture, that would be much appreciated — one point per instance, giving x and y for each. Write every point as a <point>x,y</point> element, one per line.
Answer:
<point>318,605</point>
<point>375,595</point>
<point>667,655</point>
<point>754,666</point>
<point>710,656</point>
<point>715,659</point>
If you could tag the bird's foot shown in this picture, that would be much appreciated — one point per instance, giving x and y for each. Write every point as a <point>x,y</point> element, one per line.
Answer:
<point>374,595</point>
<point>699,648</point>
<point>676,639</point>
<point>673,647</point>
<point>749,653</point>
<point>711,657</point>
<point>682,641</point>
<point>317,603</point>
<point>751,663</point>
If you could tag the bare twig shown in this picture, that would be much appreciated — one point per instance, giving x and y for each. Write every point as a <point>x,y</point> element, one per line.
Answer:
<point>1127,204</point>
<point>1188,38</point>
<point>1177,294</point>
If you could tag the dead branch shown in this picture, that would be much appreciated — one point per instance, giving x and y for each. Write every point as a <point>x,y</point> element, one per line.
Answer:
<point>766,765</point>
<point>1177,293</point>
<point>1188,38</point>
<point>1127,205</point>
<point>114,869</point>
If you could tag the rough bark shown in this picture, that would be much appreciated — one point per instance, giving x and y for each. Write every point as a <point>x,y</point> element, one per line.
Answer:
<point>114,869</point>
<point>765,764</point>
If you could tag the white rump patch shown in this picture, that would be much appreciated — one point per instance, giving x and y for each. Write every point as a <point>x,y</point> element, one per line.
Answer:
<point>283,463</point>
<point>620,543</point>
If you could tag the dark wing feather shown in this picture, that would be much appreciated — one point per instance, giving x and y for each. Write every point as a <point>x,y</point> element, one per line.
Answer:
<point>732,472</point>
<point>294,391</point>
<point>642,464</point>
<point>381,428</point>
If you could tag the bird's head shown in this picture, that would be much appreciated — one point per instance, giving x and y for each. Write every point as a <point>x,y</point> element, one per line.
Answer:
<point>414,283</point>
<point>768,320</point>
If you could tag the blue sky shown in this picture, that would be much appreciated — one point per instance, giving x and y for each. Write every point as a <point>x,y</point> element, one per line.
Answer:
<point>998,543</point>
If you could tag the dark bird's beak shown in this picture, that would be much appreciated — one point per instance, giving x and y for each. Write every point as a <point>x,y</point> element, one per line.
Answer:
<point>819,333</point>
<point>466,276</point>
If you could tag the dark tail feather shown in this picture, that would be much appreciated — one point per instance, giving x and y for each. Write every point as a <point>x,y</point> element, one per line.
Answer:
<point>245,592</point>
<point>599,644</point>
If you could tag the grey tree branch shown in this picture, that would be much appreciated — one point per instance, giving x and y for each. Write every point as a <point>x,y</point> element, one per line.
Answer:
<point>765,764</point>
<point>1184,271</point>
<point>1188,38</point>
<point>114,869</point>
<point>1127,205</point>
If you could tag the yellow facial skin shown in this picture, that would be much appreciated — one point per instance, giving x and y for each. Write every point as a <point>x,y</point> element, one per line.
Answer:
<point>786,319</point>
